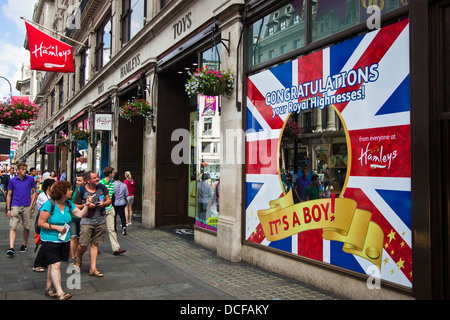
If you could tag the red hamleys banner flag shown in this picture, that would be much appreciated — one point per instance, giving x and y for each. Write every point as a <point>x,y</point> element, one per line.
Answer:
<point>48,53</point>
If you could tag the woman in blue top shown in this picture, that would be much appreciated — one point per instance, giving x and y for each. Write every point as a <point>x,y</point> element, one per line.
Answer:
<point>55,234</point>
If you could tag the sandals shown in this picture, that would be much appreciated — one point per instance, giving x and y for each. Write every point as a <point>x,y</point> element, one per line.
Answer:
<point>78,262</point>
<point>39,269</point>
<point>95,273</point>
<point>50,293</point>
<point>64,296</point>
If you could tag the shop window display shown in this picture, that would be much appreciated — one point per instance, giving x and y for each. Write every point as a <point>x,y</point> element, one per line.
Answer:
<point>352,103</point>
<point>204,184</point>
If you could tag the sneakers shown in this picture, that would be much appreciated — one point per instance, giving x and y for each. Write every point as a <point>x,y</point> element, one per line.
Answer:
<point>124,231</point>
<point>10,252</point>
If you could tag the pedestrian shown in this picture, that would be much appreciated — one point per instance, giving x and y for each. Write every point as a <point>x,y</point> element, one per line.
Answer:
<point>40,263</point>
<point>93,226</point>
<point>63,176</point>
<point>75,224</point>
<point>301,183</point>
<point>53,176</point>
<point>312,192</point>
<point>4,184</point>
<point>130,199</point>
<point>34,175</point>
<point>204,194</point>
<point>120,201</point>
<point>55,233</point>
<point>20,203</point>
<point>108,181</point>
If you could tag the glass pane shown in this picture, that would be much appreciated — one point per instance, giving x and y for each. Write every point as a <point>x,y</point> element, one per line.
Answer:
<point>137,16</point>
<point>332,16</point>
<point>207,162</point>
<point>211,57</point>
<point>277,33</point>
<point>107,43</point>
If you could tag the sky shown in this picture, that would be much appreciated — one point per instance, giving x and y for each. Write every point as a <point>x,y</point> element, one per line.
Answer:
<point>12,38</point>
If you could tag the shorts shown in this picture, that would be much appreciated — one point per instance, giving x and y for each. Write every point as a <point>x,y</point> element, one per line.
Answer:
<point>92,234</point>
<point>130,200</point>
<point>56,251</point>
<point>20,213</point>
<point>75,227</point>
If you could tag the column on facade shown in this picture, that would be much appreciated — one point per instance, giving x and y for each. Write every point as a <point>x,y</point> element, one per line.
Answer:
<point>231,170</point>
<point>115,126</point>
<point>149,174</point>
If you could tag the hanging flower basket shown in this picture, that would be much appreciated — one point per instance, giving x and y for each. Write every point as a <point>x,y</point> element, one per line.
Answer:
<point>215,89</point>
<point>12,114</point>
<point>135,108</point>
<point>62,142</point>
<point>291,129</point>
<point>80,134</point>
<point>209,82</point>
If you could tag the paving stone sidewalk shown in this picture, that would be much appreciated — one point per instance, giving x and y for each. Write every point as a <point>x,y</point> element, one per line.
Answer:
<point>160,264</point>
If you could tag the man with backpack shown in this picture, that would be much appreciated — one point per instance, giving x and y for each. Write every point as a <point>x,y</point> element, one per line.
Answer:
<point>20,203</point>
<point>93,225</point>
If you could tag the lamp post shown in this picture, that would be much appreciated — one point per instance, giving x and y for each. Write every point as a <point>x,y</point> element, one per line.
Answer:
<point>10,87</point>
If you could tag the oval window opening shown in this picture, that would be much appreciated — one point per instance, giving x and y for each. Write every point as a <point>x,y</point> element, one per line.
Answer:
<point>314,142</point>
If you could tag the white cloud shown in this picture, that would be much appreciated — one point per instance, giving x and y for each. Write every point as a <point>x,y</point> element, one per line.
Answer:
<point>10,65</point>
<point>14,9</point>
<point>12,52</point>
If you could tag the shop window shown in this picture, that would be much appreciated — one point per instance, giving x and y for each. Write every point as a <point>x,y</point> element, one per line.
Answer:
<point>81,147</point>
<point>332,16</point>
<point>204,186</point>
<point>288,25</point>
<point>281,29</point>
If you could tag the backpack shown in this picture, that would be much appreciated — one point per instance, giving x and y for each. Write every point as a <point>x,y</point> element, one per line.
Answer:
<point>37,229</point>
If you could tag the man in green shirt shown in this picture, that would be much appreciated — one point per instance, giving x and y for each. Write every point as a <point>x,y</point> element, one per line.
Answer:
<point>108,182</point>
<point>312,191</point>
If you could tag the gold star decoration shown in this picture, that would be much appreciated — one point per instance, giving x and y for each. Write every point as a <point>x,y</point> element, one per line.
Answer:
<point>400,263</point>
<point>391,236</point>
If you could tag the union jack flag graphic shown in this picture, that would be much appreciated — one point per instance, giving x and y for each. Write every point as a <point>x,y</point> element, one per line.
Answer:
<point>366,78</point>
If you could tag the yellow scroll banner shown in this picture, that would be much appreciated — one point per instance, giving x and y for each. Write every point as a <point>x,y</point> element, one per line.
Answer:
<point>339,218</point>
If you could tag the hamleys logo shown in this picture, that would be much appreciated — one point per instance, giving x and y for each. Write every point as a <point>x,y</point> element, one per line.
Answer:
<point>51,51</point>
<point>376,158</point>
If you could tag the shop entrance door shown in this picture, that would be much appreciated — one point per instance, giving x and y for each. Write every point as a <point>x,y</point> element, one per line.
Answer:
<point>130,153</point>
<point>172,179</point>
